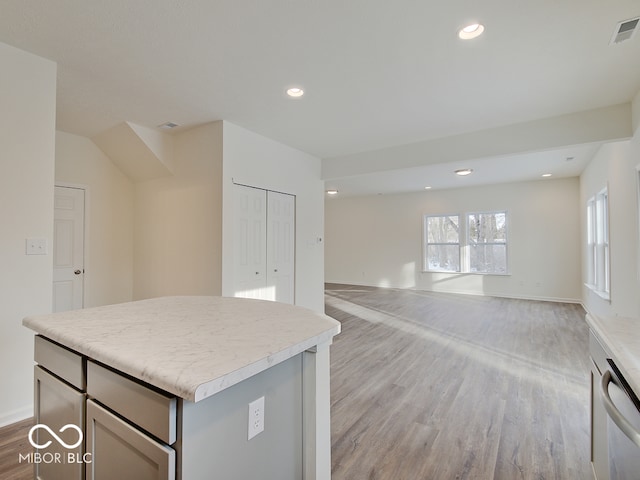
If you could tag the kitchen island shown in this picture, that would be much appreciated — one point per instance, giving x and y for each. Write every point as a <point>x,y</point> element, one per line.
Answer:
<point>166,387</point>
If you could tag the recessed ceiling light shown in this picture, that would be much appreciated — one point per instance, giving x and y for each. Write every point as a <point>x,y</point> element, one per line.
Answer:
<point>332,192</point>
<point>471,31</point>
<point>546,174</point>
<point>463,171</point>
<point>295,92</point>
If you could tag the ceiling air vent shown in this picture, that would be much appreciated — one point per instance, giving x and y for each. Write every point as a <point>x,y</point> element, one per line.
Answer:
<point>625,30</point>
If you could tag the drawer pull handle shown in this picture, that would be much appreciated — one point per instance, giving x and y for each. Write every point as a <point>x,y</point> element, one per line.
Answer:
<point>614,414</point>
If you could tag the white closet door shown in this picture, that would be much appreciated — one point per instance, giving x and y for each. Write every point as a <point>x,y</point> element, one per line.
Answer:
<point>264,244</point>
<point>250,242</point>
<point>281,246</point>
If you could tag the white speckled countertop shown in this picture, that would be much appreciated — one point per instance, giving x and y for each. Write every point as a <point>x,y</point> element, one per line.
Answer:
<point>193,347</point>
<point>620,338</point>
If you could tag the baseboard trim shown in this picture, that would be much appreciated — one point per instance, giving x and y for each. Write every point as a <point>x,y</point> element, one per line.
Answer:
<point>16,415</point>
<point>533,298</point>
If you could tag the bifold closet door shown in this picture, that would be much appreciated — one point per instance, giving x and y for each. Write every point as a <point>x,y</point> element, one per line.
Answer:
<point>250,242</point>
<point>264,244</point>
<point>281,245</point>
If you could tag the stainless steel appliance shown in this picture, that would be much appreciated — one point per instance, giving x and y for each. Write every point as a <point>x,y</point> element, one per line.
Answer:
<point>623,424</point>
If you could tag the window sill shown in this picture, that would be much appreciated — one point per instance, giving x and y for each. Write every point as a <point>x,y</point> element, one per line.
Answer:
<point>468,273</point>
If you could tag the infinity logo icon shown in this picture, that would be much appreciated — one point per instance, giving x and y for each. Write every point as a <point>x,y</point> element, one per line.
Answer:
<point>59,440</point>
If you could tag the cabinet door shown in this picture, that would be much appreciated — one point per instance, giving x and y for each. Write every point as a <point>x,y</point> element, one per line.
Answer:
<point>57,404</point>
<point>119,450</point>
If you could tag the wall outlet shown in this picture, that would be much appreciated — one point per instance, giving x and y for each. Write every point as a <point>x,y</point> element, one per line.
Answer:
<point>256,417</point>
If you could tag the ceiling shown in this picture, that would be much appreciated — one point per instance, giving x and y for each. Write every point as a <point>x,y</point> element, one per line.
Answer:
<point>562,162</point>
<point>376,73</point>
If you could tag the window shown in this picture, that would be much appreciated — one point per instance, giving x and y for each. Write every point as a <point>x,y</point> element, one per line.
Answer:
<point>598,244</point>
<point>442,243</point>
<point>476,245</point>
<point>487,240</point>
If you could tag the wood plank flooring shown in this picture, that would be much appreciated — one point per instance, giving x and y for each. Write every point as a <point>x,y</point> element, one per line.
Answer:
<point>14,441</point>
<point>441,387</point>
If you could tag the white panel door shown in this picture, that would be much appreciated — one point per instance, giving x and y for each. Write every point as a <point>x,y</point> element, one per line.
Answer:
<point>281,246</point>
<point>250,242</point>
<point>68,249</point>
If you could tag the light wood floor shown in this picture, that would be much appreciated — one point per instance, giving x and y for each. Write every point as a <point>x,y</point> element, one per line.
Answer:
<point>14,441</point>
<point>441,387</point>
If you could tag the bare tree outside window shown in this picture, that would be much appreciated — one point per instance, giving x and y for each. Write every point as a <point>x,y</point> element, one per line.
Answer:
<point>442,243</point>
<point>477,244</point>
<point>487,239</point>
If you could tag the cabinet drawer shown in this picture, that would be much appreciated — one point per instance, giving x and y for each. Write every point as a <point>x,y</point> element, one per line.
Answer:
<point>119,450</point>
<point>153,411</point>
<point>60,361</point>
<point>597,352</point>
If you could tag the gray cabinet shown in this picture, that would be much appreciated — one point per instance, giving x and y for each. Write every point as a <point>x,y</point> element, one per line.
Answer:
<point>151,410</point>
<point>57,404</point>
<point>134,444</point>
<point>59,400</point>
<point>124,446</point>
<point>120,450</point>
<point>135,431</point>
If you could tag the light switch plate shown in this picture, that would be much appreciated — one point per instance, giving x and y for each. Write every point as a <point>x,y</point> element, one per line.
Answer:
<point>37,246</point>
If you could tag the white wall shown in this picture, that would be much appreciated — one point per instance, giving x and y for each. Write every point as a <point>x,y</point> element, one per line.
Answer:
<point>27,150</point>
<point>377,240</point>
<point>614,166</point>
<point>254,160</point>
<point>109,218</point>
<point>177,233</point>
<point>183,233</point>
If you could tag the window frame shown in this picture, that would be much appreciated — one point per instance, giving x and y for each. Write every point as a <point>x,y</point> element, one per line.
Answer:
<point>463,243</point>
<point>505,243</point>
<point>598,247</point>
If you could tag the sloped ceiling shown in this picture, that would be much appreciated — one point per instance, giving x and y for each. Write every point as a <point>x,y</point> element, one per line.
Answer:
<point>141,153</point>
